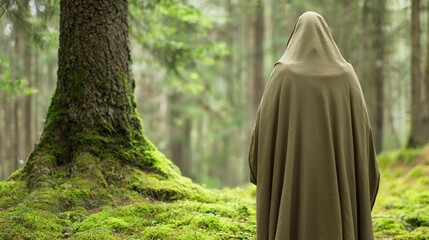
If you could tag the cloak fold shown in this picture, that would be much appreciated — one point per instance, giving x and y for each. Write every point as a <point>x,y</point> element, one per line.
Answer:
<point>312,153</point>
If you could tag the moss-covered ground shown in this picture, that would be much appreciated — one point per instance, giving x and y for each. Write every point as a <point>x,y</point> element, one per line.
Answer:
<point>104,199</point>
<point>135,204</point>
<point>402,207</point>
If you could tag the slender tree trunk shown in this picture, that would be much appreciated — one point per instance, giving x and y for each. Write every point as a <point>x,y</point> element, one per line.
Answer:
<point>28,103</point>
<point>278,31</point>
<point>17,75</point>
<point>363,43</point>
<point>416,139</point>
<point>8,153</point>
<point>36,106</point>
<point>179,135</point>
<point>257,62</point>
<point>3,132</point>
<point>426,119</point>
<point>345,28</point>
<point>229,138</point>
<point>92,117</point>
<point>367,59</point>
<point>379,48</point>
<point>16,156</point>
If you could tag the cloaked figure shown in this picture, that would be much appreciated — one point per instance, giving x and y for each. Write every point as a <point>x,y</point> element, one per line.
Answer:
<point>312,154</point>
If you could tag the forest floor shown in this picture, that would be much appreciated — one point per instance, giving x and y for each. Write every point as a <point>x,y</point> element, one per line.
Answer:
<point>149,206</point>
<point>402,207</point>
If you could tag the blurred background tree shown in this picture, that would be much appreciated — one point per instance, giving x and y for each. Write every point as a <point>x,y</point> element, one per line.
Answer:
<point>201,66</point>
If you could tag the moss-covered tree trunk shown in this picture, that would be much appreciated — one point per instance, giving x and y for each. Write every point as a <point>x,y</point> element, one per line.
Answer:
<point>93,111</point>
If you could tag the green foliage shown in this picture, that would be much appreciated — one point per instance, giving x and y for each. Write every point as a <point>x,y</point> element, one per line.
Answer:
<point>163,27</point>
<point>10,86</point>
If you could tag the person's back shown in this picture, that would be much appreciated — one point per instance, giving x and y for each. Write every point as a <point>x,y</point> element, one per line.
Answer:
<point>311,154</point>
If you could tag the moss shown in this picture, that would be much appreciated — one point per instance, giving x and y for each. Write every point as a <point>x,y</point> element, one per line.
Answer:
<point>33,217</point>
<point>93,141</point>
<point>416,172</point>
<point>142,196</point>
<point>180,220</point>
<point>402,207</point>
<point>87,167</point>
<point>77,81</point>
<point>421,233</point>
<point>408,155</point>
<point>39,171</point>
<point>399,157</point>
<point>389,225</point>
<point>11,192</point>
<point>417,220</point>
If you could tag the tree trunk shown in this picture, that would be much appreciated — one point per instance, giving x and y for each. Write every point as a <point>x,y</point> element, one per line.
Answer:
<point>345,28</point>
<point>37,84</point>
<point>416,139</point>
<point>2,142</point>
<point>363,43</point>
<point>17,132</point>
<point>92,119</point>
<point>8,153</point>
<point>28,103</point>
<point>230,82</point>
<point>179,135</point>
<point>278,32</point>
<point>17,75</point>
<point>426,120</point>
<point>378,73</point>
<point>257,62</point>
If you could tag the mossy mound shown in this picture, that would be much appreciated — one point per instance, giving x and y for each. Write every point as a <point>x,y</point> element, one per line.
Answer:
<point>105,199</point>
<point>402,207</point>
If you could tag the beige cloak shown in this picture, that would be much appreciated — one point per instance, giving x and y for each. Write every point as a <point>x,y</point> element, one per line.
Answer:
<point>312,154</point>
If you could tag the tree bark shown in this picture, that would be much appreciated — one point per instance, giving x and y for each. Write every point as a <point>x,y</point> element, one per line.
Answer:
<point>179,135</point>
<point>28,103</point>
<point>8,154</point>
<point>345,31</point>
<point>415,139</point>
<point>17,75</point>
<point>257,62</point>
<point>93,110</point>
<point>378,73</point>
<point>363,43</point>
<point>17,134</point>
<point>2,142</point>
<point>426,119</point>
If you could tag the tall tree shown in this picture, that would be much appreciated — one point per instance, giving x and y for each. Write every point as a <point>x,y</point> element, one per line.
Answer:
<point>256,78</point>
<point>416,137</point>
<point>92,117</point>
<point>363,41</point>
<point>426,81</point>
<point>378,71</point>
<point>345,25</point>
